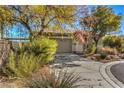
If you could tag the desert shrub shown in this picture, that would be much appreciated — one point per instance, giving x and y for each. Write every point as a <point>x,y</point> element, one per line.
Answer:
<point>108,50</point>
<point>43,47</point>
<point>91,48</point>
<point>54,79</point>
<point>114,42</point>
<point>103,55</point>
<point>22,65</point>
<point>121,48</point>
<point>22,48</point>
<point>27,58</point>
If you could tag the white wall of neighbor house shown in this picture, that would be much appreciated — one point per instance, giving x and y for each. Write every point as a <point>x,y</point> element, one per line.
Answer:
<point>77,47</point>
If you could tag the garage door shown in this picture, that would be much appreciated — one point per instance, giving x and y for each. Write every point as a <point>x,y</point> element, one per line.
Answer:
<point>64,45</point>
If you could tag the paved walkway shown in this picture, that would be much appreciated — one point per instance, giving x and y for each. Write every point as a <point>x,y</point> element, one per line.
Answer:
<point>89,70</point>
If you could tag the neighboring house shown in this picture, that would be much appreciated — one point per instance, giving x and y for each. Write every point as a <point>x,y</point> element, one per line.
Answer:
<point>66,42</point>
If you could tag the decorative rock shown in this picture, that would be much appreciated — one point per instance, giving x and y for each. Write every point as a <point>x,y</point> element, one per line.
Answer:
<point>97,56</point>
<point>109,57</point>
<point>121,56</point>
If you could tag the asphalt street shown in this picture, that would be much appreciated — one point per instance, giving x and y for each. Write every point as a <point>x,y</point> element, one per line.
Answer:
<point>118,71</point>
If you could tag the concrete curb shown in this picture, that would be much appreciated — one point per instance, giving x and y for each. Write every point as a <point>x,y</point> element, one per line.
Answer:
<point>108,76</point>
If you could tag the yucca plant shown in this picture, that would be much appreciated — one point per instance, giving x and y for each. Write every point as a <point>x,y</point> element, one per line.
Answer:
<point>54,79</point>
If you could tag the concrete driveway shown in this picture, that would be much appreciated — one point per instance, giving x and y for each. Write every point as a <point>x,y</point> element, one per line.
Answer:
<point>88,70</point>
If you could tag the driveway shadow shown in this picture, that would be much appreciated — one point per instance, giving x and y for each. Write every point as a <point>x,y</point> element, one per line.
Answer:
<point>67,57</point>
<point>59,66</point>
<point>66,60</point>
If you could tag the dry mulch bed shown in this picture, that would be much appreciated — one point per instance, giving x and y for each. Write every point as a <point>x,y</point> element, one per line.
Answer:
<point>109,58</point>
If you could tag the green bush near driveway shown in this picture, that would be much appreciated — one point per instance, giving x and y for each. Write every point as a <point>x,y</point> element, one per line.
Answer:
<point>23,65</point>
<point>42,47</point>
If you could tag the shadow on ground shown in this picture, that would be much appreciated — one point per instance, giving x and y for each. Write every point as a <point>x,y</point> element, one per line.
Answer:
<point>66,60</point>
<point>59,66</point>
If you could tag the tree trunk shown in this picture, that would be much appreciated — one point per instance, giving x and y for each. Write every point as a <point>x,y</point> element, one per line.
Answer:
<point>2,31</point>
<point>40,33</point>
<point>96,44</point>
<point>11,46</point>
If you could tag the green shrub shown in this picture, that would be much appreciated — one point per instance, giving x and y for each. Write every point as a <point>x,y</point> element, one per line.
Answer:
<point>54,79</point>
<point>121,48</point>
<point>43,47</point>
<point>114,42</point>
<point>22,48</point>
<point>27,58</point>
<point>103,55</point>
<point>22,65</point>
<point>91,48</point>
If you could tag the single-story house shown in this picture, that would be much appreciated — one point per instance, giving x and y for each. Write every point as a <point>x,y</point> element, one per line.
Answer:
<point>66,42</point>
